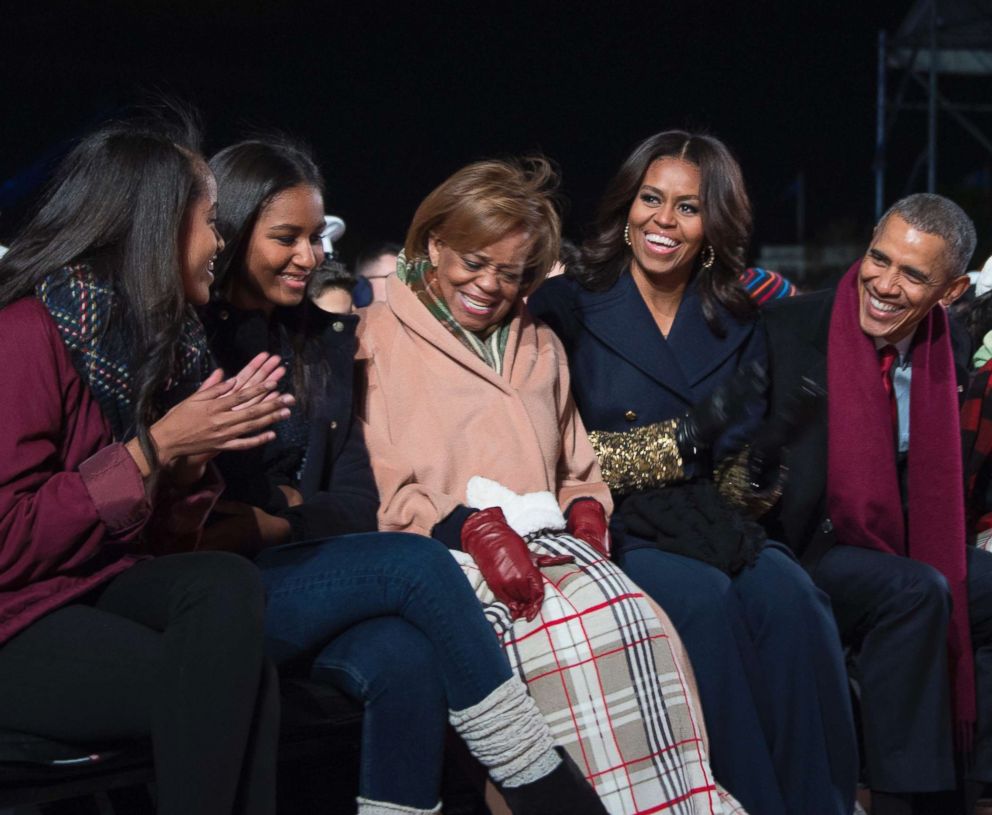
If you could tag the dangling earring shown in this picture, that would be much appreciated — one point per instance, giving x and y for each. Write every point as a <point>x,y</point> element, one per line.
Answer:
<point>626,234</point>
<point>708,262</point>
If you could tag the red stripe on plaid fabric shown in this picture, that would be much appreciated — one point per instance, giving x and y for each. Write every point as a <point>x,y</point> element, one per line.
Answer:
<point>571,574</point>
<point>571,708</point>
<point>625,765</point>
<point>669,804</point>
<point>602,690</point>
<point>700,756</point>
<point>648,757</point>
<point>620,649</point>
<point>611,602</point>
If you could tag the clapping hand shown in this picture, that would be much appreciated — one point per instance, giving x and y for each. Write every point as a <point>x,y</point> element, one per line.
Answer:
<point>223,414</point>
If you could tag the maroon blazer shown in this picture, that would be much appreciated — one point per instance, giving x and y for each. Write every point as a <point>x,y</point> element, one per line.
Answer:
<point>72,501</point>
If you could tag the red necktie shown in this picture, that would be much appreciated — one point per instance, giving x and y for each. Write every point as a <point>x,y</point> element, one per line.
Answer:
<point>887,357</point>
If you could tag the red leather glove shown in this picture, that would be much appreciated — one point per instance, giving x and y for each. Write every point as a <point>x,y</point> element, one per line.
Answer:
<point>587,522</point>
<point>505,562</point>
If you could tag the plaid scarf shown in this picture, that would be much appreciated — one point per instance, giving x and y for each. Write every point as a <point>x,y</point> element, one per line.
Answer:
<point>421,277</point>
<point>87,314</point>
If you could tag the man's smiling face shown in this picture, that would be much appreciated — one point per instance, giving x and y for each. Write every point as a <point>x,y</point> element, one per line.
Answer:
<point>903,275</point>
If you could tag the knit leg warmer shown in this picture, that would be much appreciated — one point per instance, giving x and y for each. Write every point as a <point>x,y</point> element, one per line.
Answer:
<point>508,735</point>
<point>367,807</point>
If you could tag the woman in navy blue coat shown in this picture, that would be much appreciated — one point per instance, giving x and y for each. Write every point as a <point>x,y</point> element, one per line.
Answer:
<point>654,322</point>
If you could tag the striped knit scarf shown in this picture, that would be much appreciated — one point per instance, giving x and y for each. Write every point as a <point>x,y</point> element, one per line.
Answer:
<point>84,309</point>
<point>763,285</point>
<point>421,277</point>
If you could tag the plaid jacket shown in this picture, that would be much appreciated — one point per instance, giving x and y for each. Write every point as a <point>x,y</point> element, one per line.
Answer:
<point>976,440</point>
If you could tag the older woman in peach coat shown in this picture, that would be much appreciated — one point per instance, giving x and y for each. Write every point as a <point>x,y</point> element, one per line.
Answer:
<point>475,440</point>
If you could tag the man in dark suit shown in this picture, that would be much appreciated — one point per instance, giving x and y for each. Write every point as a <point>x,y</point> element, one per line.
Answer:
<point>879,521</point>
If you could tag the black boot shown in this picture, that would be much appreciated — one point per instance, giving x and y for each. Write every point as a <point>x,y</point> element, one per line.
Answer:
<point>563,791</point>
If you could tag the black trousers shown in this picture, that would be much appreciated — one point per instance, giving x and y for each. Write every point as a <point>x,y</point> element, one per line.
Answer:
<point>893,612</point>
<point>172,648</point>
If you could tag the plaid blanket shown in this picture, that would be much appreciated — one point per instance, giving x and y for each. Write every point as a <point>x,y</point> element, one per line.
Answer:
<point>604,672</point>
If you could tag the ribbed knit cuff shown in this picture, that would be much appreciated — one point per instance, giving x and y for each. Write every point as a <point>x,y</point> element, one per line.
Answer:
<point>508,735</point>
<point>369,807</point>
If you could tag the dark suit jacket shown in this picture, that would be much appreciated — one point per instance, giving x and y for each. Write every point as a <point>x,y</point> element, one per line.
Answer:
<point>338,489</point>
<point>797,331</point>
<point>797,347</point>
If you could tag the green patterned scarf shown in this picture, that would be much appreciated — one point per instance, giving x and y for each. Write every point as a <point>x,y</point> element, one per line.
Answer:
<point>419,275</point>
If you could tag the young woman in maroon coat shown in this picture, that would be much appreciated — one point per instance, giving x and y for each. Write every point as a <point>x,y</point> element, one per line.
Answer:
<point>106,434</point>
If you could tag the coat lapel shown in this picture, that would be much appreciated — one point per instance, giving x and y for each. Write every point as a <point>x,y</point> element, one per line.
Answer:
<point>621,320</point>
<point>700,351</point>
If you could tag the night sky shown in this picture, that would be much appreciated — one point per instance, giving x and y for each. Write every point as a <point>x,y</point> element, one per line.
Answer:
<point>394,98</point>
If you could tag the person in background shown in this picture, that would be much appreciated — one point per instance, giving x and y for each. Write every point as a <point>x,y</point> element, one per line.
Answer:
<point>656,323</point>
<point>375,265</point>
<point>387,618</point>
<point>331,288</point>
<point>109,417</point>
<point>475,440</point>
<point>568,255</point>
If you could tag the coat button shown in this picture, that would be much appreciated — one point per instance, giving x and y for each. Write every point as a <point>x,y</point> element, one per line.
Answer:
<point>338,326</point>
<point>630,416</point>
<point>224,314</point>
<point>334,425</point>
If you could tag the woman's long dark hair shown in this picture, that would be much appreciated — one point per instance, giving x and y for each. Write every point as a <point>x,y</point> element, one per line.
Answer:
<point>726,214</point>
<point>118,202</point>
<point>250,175</point>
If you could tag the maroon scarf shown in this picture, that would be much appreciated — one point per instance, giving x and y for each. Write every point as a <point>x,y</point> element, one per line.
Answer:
<point>862,484</point>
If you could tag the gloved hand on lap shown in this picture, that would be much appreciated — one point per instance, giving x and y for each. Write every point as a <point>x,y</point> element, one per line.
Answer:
<point>587,522</point>
<point>505,562</point>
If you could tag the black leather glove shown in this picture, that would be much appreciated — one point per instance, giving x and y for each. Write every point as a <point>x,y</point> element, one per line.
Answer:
<point>705,422</point>
<point>777,433</point>
<point>692,519</point>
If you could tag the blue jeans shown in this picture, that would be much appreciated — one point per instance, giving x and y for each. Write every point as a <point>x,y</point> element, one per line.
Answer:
<point>391,619</point>
<point>771,676</point>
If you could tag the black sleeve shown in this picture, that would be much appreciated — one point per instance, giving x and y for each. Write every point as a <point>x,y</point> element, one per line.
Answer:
<point>349,502</point>
<point>250,478</point>
<point>552,304</point>
<point>449,530</point>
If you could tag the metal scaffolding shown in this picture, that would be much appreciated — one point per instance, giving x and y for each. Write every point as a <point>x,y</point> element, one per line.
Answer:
<point>937,37</point>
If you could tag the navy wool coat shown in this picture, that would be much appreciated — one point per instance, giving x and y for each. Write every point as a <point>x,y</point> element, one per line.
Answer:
<point>626,374</point>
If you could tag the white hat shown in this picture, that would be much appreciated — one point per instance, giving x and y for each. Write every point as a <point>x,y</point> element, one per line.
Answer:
<point>984,282</point>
